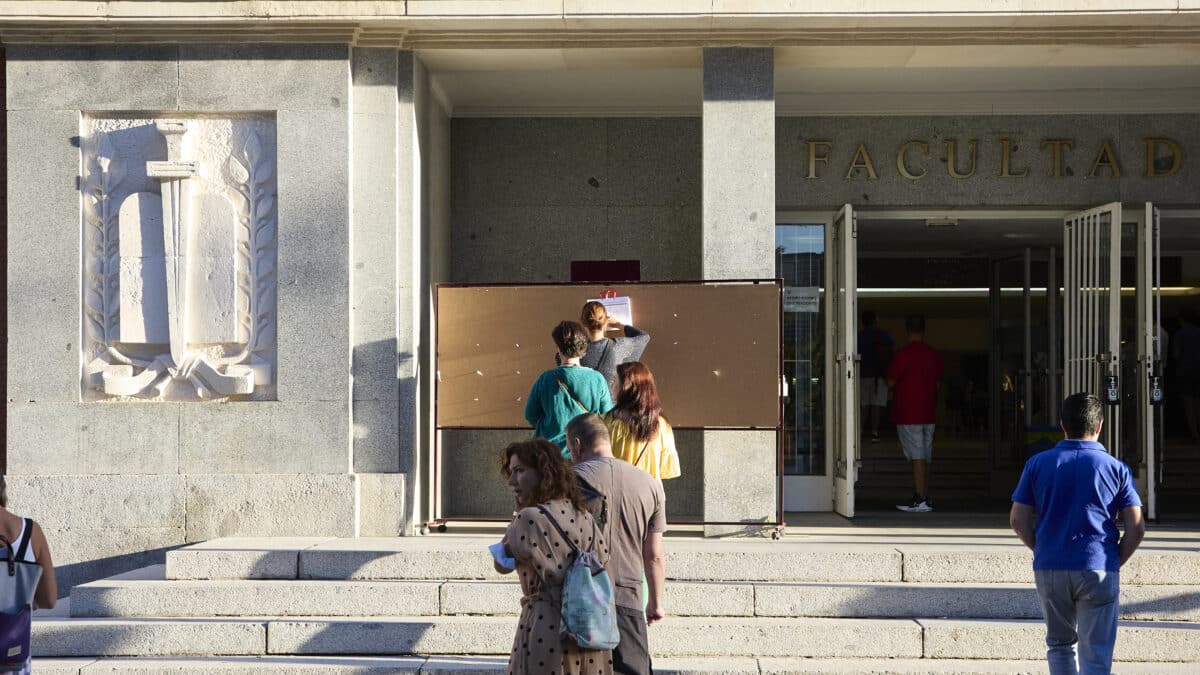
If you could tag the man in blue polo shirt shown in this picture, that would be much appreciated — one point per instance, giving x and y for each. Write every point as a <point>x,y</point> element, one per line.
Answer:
<point>1077,490</point>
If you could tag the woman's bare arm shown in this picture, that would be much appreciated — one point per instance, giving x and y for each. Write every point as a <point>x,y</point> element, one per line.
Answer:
<point>46,595</point>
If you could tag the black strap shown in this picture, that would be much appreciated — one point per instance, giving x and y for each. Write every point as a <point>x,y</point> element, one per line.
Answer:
<point>24,545</point>
<point>563,534</point>
<point>571,396</point>
<point>10,559</point>
<point>640,454</point>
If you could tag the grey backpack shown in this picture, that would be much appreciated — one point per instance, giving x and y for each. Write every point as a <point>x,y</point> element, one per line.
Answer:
<point>18,582</point>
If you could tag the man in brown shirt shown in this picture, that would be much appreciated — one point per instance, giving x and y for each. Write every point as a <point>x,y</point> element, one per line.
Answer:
<point>632,508</point>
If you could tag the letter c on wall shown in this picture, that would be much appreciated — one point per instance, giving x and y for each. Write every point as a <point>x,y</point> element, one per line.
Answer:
<point>902,160</point>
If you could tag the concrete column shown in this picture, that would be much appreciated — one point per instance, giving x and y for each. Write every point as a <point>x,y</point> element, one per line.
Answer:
<point>738,242</point>
<point>380,159</point>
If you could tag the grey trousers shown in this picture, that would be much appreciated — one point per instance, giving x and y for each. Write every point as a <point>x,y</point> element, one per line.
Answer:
<point>632,655</point>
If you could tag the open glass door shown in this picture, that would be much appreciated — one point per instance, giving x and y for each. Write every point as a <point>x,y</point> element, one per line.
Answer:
<point>1092,310</point>
<point>1149,357</point>
<point>842,389</point>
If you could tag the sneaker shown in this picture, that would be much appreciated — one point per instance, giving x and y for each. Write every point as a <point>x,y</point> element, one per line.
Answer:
<point>918,505</point>
<point>874,438</point>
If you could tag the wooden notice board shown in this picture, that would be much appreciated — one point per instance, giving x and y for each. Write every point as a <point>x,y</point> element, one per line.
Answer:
<point>714,349</point>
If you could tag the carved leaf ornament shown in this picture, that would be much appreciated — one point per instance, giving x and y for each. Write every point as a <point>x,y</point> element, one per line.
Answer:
<point>249,174</point>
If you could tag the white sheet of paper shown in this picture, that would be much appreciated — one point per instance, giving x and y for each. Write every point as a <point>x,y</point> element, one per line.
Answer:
<point>619,308</point>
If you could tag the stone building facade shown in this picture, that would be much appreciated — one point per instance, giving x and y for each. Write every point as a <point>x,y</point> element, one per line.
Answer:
<point>226,221</point>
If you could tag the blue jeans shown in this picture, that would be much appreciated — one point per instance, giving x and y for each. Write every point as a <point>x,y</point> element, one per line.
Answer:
<point>1080,606</point>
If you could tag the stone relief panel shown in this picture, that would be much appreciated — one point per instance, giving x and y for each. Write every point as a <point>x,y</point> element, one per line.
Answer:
<point>179,257</point>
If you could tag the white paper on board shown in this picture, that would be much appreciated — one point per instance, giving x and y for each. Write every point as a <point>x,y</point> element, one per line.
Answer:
<point>620,308</point>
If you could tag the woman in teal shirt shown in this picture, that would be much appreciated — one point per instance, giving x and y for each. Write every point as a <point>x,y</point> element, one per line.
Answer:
<point>561,393</point>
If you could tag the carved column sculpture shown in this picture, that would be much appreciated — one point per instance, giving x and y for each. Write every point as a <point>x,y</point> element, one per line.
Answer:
<point>179,282</point>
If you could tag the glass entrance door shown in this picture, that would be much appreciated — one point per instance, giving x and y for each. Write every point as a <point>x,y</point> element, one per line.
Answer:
<point>1092,311</point>
<point>800,261</point>
<point>1024,370</point>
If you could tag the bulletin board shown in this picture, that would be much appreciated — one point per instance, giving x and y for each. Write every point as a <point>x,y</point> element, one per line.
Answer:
<point>714,349</point>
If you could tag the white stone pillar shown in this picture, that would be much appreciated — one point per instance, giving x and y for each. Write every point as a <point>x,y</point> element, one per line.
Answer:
<point>738,242</point>
<point>381,219</point>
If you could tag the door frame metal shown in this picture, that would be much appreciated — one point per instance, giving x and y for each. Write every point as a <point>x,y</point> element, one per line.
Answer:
<point>1149,348</point>
<point>841,335</point>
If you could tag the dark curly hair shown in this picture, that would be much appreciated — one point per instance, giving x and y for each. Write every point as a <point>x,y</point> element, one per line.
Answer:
<point>571,338</point>
<point>558,481</point>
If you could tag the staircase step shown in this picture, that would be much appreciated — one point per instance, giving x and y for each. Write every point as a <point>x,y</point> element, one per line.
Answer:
<point>786,666</point>
<point>145,593</point>
<point>951,558</point>
<point>957,564</point>
<point>148,637</point>
<point>240,558</point>
<point>151,595</point>
<point>745,560</point>
<point>676,637</point>
<point>682,636</point>
<point>700,598</point>
<point>1011,639</point>
<point>489,665</point>
<point>238,665</point>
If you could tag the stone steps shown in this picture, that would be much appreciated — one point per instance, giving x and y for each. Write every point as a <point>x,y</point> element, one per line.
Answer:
<point>798,558</point>
<point>715,637</point>
<point>487,665</point>
<point>147,593</point>
<point>839,600</point>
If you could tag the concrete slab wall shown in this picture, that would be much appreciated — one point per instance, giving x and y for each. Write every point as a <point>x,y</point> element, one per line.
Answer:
<point>142,476</point>
<point>532,194</point>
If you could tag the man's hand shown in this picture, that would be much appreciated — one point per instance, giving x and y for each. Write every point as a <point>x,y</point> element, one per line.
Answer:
<point>1021,518</point>
<point>654,563</point>
<point>654,613</point>
<point>1135,529</point>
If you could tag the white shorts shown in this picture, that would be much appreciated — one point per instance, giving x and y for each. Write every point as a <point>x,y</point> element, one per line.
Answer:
<point>916,440</point>
<point>873,391</point>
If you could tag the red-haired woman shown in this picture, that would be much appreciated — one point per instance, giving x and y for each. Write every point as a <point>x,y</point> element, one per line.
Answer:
<point>548,500</point>
<point>640,434</point>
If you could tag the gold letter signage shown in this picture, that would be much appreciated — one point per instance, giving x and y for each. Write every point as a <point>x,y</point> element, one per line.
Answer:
<point>902,162</point>
<point>813,157</point>
<point>861,161</point>
<point>1164,157</point>
<point>1152,156</point>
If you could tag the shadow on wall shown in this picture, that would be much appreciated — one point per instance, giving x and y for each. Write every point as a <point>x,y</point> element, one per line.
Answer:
<point>385,408</point>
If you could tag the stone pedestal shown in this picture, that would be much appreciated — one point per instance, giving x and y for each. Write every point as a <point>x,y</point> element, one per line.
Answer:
<point>738,222</point>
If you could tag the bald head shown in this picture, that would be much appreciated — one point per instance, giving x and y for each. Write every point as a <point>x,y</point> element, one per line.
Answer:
<point>587,438</point>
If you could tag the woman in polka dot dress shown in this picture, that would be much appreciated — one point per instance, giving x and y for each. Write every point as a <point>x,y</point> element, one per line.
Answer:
<point>539,476</point>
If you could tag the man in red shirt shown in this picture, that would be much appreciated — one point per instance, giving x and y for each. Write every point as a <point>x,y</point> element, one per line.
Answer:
<point>913,376</point>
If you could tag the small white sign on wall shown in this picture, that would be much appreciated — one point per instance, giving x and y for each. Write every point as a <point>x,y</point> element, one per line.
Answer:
<point>802,299</point>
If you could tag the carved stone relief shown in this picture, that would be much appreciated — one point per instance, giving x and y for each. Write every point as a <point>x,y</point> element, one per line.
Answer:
<point>179,254</point>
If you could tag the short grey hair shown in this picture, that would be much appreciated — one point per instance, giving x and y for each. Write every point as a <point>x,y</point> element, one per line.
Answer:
<point>589,429</point>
